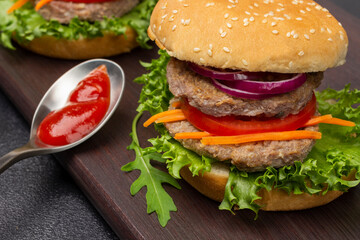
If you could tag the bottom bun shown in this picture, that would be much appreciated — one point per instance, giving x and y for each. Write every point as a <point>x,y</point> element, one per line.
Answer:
<point>212,184</point>
<point>105,46</point>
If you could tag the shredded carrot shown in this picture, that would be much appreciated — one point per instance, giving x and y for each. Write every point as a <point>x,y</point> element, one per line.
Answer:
<point>176,104</point>
<point>340,122</point>
<point>317,119</point>
<point>191,135</point>
<point>16,5</point>
<point>273,136</point>
<point>171,118</point>
<point>160,115</point>
<point>41,3</point>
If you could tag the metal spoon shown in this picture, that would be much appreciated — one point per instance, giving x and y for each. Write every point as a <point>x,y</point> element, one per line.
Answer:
<point>55,98</point>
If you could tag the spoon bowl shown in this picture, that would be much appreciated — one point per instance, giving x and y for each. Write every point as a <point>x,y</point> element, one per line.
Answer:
<point>56,98</point>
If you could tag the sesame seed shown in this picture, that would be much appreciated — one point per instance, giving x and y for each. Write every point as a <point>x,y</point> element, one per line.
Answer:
<point>330,39</point>
<point>328,29</point>
<point>256,14</point>
<point>226,49</point>
<point>329,16</point>
<point>322,29</point>
<point>210,46</point>
<point>245,20</point>
<point>244,62</point>
<point>202,60</point>
<point>306,36</point>
<point>209,53</point>
<point>159,28</point>
<point>228,25</point>
<point>318,7</point>
<point>246,12</point>
<point>175,11</point>
<point>290,64</point>
<point>312,30</point>
<point>302,11</point>
<point>287,16</point>
<point>298,18</point>
<point>256,5</point>
<point>341,37</point>
<point>171,18</point>
<point>308,9</point>
<point>324,10</point>
<point>281,5</point>
<point>301,53</point>
<point>275,32</point>
<point>174,27</point>
<point>223,34</point>
<point>292,32</point>
<point>251,19</point>
<point>246,23</point>
<point>251,7</point>
<point>186,5</point>
<point>209,4</point>
<point>264,20</point>
<point>340,24</point>
<point>296,35</point>
<point>164,16</point>
<point>234,18</point>
<point>196,50</point>
<point>273,24</point>
<point>226,15</point>
<point>288,34</point>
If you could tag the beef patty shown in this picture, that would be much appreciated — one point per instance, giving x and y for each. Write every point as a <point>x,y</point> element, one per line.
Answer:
<point>250,157</point>
<point>65,11</point>
<point>203,95</point>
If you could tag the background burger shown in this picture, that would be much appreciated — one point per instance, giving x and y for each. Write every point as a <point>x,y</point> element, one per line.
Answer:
<point>242,126</point>
<point>75,29</point>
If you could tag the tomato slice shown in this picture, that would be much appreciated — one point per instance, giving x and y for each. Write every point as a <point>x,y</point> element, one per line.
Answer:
<point>231,125</point>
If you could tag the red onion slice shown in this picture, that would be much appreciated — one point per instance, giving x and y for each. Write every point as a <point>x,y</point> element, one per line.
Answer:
<point>244,81</point>
<point>239,93</point>
<point>276,87</point>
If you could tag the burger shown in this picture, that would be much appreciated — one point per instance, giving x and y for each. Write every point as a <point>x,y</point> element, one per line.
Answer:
<point>233,97</point>
<point>75,29</point>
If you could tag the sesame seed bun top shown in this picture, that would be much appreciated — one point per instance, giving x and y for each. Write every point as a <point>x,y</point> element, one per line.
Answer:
<point>289,36</point>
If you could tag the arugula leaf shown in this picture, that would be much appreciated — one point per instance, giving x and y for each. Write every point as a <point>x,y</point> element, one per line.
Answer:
<point>155,97</point>
<point>157,198</point>
<point>25,24</point>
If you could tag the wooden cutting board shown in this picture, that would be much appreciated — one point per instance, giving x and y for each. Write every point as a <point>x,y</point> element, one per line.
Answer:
<point>95,165</point>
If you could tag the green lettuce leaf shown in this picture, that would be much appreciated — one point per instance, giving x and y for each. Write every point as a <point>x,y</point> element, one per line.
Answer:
<point>25,24</point>
<point>334,156</point>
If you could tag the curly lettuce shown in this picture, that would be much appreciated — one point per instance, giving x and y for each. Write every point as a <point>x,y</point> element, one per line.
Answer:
<point>333,157</point>
<point>25,24</point>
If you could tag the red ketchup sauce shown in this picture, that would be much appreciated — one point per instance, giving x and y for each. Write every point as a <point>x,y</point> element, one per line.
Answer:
<point>85,108</point>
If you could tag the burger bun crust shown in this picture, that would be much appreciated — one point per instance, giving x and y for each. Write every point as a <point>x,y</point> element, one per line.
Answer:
<point>268,36</point>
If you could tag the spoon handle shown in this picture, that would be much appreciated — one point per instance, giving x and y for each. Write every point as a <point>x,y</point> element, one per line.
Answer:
<point>15,155</point>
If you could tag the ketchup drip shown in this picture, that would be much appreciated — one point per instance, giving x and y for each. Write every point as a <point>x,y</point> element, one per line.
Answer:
<point>85,108</point>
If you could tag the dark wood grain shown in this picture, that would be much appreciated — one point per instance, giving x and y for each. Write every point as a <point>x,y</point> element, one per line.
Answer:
<point>95,165</point>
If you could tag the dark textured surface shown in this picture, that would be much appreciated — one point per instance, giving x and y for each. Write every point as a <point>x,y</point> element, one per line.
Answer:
<point>38,199</point>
